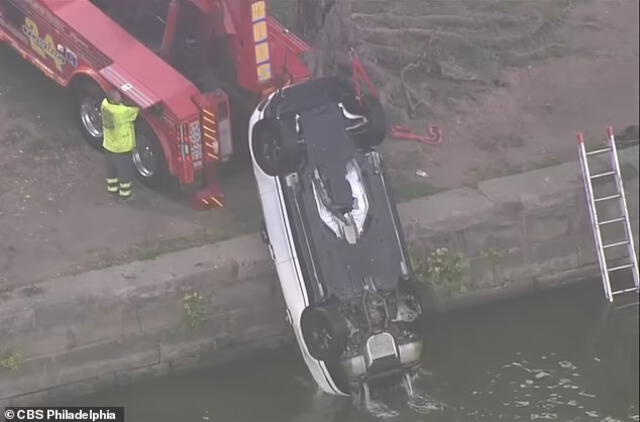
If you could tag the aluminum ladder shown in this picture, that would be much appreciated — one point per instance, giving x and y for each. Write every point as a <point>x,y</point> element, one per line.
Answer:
<point>597,224</point>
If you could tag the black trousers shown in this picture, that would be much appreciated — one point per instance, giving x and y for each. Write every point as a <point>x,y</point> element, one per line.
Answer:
<point>119,173</point>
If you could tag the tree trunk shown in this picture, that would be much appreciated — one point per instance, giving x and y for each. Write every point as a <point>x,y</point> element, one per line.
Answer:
<point>327,26</point>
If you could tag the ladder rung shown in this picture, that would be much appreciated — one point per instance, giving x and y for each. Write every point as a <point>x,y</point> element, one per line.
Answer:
<point>606,198</point>
<point>617,292</point>
<point>621,267</point>
<point>614,220</point>
<point>598,151</point>
<point>597,176</point>
<point>612,245</point>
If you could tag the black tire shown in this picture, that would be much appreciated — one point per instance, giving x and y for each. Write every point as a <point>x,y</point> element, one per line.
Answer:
<point>271,153</point>
<point>375,130</point>
<point>325,332</point>
<point>88,98</point>
<point>149,161</point>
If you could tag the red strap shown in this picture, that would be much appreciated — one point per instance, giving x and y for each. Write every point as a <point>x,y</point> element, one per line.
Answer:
<point>406,134</point>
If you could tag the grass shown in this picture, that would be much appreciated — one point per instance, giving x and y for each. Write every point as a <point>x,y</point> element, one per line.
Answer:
<point>10,360</point>
<point>510,169</point>
<point>406,186</point>
<point>194,309</point>
<point>440,267</point>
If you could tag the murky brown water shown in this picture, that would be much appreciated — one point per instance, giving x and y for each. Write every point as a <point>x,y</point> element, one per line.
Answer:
<point>558,356</point>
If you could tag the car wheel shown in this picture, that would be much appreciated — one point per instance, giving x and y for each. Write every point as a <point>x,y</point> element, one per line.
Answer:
<point>325,332</point>
<point>375,130</point>
<point>88,100</point>
<point>272,155</point>
<point>148,158</point>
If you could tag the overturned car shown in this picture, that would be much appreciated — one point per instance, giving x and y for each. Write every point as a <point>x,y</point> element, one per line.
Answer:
<point>334,234</point>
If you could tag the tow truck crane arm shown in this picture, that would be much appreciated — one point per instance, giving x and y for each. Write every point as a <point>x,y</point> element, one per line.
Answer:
<point>265,53</point>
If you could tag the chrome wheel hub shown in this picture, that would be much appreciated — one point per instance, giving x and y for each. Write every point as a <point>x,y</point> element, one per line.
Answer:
<point>91,116</point>
<point>144,159</point>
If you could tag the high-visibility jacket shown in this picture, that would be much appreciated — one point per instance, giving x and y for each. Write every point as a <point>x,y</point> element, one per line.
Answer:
<point>117,123</point>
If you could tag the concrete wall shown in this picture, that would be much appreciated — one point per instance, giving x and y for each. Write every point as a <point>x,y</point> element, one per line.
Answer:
<point>86,332</point>
<point>521,232</point>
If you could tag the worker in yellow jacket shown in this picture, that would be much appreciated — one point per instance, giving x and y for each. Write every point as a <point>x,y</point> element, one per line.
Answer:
<point>119,141</point>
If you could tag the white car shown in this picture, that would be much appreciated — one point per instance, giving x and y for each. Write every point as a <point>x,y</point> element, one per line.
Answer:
<point>334,234</point>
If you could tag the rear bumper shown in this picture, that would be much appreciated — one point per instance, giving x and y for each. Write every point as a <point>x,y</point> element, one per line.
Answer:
<point>206,192</point>
<point>208,197</point>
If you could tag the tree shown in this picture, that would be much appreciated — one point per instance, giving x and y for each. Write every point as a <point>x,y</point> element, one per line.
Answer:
<point>420,52</point>
<point>327,26</point>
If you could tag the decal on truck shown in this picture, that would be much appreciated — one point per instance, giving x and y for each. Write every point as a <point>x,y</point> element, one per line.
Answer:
<point>46,47</point>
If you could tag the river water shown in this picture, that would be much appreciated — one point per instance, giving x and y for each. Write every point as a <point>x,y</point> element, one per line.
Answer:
<point>558,356</point>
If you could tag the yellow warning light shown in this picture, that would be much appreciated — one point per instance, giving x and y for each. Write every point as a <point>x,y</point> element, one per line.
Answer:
<point>260,31</point>
<point>258,11</point>
<point>262,52</point>
<point>264,72</point>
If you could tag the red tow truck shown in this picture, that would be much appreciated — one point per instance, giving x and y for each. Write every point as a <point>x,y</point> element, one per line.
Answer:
<point>196,69</point>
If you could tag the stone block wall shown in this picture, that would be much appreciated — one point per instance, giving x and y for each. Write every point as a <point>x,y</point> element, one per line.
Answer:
<point>82,333</point>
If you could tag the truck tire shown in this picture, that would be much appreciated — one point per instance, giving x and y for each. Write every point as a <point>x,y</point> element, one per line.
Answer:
<point>272,155</point>
<point>149,160</point>
<point>88,98</point>
<point>375,130</point>
<point>325,332</point>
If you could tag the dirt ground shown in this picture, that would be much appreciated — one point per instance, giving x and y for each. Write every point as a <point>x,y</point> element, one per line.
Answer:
<point>55,217</point>
<point>531,121</point>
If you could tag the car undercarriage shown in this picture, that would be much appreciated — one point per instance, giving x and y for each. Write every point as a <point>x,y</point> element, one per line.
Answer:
<point>361,307</point>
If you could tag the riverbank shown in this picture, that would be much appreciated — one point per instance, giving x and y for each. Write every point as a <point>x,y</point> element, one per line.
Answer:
<point>56,220</point>
<point>208,305</point>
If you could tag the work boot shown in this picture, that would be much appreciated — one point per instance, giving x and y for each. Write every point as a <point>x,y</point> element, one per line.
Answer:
<point>112,186</point>
<point>125,191</point>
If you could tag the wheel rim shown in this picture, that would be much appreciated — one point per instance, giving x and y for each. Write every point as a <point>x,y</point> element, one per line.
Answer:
<point>144,158</point>
<point>323,339</point>
<point>91,116</point>
<point>270,150</point>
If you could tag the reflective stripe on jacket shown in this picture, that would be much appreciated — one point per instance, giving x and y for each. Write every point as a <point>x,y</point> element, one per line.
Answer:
<point>117,124</point>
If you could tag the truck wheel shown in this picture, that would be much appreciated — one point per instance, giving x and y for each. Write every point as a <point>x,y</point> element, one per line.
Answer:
<point>273,156</point>
<point>325,332</point>
<point>375,130</point>
<point>148,158</point>
<point>88,99</point>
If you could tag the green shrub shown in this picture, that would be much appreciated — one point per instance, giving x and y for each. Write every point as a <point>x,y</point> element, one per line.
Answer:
<point>194,309</point>
<point>441,267</point>
<point>10,360</point>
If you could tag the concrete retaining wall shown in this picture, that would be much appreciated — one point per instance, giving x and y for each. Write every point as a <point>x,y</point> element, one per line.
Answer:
<point>83,333</point>
<point>522,232</point>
